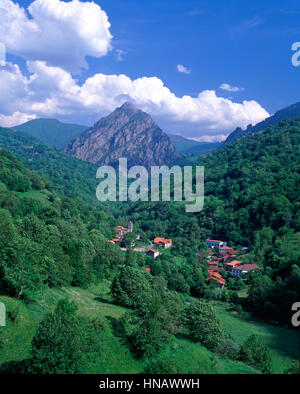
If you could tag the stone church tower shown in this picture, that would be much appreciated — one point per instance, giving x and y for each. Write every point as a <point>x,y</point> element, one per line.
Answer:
<point>130,226</point>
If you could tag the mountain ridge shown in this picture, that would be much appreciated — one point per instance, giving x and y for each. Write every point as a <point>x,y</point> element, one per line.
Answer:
<point>51,131</point>
<point>290,112</point>
<point>187,146</point>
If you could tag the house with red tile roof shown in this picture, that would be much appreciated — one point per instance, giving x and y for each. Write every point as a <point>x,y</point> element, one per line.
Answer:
<point>162,242</point>
<point>219,259</point>
<point>227,250</point>
<point>229,266</point>
<point>227,258</point>
<point>243,269</point>
<point>122,231</point>
<point>216,277</point>
<point>115,240</point>
<point>153,253</point>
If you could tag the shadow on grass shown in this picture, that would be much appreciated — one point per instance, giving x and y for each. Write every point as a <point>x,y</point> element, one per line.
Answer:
<point>103,300</point>
<point>115,327</point>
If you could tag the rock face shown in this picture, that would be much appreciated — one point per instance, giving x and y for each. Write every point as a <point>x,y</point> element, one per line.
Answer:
<point>127,132</point>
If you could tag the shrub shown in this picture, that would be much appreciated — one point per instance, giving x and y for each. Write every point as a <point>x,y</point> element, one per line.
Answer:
<point>228,349</point>
<point>202,324</point>
<point>64,343</point>
<point>13,313</point>
<point>255,353</point>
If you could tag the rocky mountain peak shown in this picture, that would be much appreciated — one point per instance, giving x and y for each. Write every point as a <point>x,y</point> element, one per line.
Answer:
<point>126,132</point>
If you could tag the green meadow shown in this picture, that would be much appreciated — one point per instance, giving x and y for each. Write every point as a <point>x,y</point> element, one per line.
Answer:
<point>282,342</point>
<point>181,354</point>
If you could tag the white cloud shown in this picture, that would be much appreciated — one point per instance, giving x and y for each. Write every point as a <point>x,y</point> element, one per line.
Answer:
<point>15,119</point>
<point>247,25</point>
<point>183,69</point>
<point>211,138</point>
<point>230,88</point>
<point>120,55</point>
<point>60,33</point>
<point>52,91</point>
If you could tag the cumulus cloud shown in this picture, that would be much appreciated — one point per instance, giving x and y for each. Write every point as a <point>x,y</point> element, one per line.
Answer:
<point>230,88</point>
<point>15,119</point>
<point>183,69</point>
<point>55,37</point>
<point>52,91</point>
<point>60,33</point>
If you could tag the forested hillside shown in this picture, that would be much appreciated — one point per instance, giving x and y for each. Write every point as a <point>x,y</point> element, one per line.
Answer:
<point>254,183</point>
<point>46,238</point>
<point>50,245</point>
<point>51,131</point>
<point>252,191</point>
<point>54,246</point>
<point>253,198</point>
<point>71,177</point>
<point>251,184</point>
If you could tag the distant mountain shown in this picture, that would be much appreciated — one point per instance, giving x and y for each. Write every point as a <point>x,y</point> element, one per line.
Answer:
<point>127,132</point>
<point>291,112</point>
<point>192,147</point>
<point>51,131</point>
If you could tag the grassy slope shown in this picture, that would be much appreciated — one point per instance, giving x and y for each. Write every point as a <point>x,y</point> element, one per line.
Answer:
<point>194,358</point>
<point>115,358</point>
<point>283,343</point>
<point>18,334</point>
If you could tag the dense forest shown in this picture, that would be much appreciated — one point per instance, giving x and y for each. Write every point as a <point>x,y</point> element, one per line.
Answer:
<point>71,177</point>
<point>50,239</point>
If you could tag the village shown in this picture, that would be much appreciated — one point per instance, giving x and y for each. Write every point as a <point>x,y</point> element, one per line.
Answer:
<point>221,257</point>
<point>158,242</point>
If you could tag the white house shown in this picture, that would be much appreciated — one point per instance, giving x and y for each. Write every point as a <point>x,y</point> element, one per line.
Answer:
<point>212,243</point>
<point>153,253</point>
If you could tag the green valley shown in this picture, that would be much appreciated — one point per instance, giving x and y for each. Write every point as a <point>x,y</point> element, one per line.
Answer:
<point>130,312</point>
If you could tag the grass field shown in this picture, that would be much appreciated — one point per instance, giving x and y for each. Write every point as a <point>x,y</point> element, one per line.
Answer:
<point>283,343</point>
<point>115,358</point>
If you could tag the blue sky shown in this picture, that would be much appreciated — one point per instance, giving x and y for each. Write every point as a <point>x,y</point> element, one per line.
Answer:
<point>246,45</point>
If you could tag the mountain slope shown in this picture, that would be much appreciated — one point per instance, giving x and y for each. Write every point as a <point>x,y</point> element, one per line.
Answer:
<point>189,147</point>
<point>250,184</point>
<point>291,112</point>
<point>254,183</point>
<point>126,132</point>
<point>69,175</point>
<point>51,131</point>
